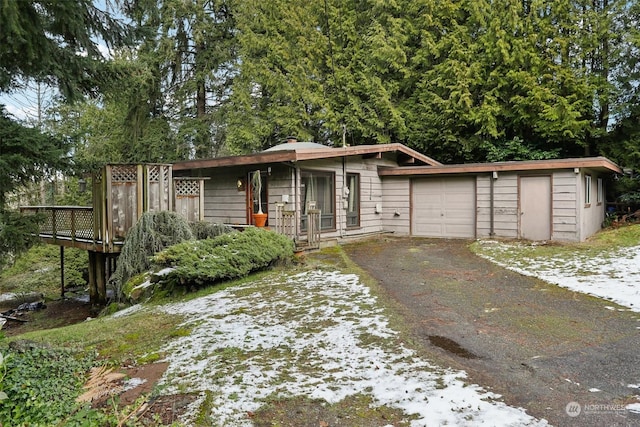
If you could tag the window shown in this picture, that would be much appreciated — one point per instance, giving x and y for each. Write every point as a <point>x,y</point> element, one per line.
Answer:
<point>587,189</point>
<point>352,196</point>
<point>600,191</point>
<point>319,187</point>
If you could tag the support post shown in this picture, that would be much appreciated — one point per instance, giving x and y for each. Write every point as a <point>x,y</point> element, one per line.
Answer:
<point>62,271</point>
<point>97,278</point>
<point>93,288</point>
<point>101,279</point>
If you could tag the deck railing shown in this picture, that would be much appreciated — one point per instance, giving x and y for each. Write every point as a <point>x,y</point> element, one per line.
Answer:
<point>66,223</point>
<point>285,221</point>
<point>313,228</point>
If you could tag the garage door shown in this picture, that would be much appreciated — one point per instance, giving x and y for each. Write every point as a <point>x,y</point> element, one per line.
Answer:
<point>444,207</point>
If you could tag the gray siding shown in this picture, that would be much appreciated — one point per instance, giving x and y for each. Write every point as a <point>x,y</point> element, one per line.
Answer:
<point>565,206</point>
<point>592,215</point>
<point>370,193</point>
<point>505,205</point>
<point>223,202</point>
<point>396,205</point>
<point>280,186</point>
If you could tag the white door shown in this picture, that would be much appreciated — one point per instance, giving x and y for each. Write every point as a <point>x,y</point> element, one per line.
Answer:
<point>444,207</point>
<point>535,207</point>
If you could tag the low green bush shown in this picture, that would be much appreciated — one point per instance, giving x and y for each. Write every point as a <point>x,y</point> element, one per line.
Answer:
<point>205,230</point>
<point>203,262</point>
<point>153,232</point>
<point>40,385</point>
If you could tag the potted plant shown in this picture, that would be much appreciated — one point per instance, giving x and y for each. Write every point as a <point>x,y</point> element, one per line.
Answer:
<point>259,218</point>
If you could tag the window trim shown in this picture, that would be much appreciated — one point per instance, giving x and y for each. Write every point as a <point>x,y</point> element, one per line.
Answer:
<point>358,201</point>
<point>332,176</point>
<point>600,193</point>
<point>587,190</point>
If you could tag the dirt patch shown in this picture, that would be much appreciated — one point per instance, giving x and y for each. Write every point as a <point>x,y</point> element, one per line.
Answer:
<point>451,346</point>
<point>540,346</point>
<point>145,409</point>
<point>134,392</point>
<point>353,411</point>
<point>57,313</point>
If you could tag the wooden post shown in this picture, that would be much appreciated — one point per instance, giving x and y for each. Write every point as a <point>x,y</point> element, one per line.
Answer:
<point>97,278</point>
<point>101,279</point>
<point>62,271</point>
<point>93,288</point>
<point>201,200</point>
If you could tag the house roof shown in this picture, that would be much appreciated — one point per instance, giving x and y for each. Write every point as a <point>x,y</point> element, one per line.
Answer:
<point>298,151</point>
<point>596,163</point>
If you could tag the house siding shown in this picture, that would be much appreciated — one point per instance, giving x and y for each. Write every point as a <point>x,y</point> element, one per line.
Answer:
<point>385,202</point>
<point>223,202</point>
<point>564,206</point>
<point>505,205</point>
<point>371,193</point>
<point>281,186</point>
<point>571,219</point>
<point>396,198</point>
<point>591,216</point>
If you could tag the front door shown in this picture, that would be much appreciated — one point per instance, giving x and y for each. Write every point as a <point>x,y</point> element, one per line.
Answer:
<point>535,207</point>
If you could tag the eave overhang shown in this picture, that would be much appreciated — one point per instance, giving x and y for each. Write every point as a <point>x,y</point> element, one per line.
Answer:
<point>408,155</point>
<point>601,164</point>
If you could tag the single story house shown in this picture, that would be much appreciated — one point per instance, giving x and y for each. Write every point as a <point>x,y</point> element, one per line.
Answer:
<point>362,190</point>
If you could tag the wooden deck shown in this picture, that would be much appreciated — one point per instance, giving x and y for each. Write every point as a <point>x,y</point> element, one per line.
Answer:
<point>72,226</point>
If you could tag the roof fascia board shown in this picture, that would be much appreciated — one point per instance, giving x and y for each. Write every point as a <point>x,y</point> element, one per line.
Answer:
<point>300,155</point>
<point>591,162</point>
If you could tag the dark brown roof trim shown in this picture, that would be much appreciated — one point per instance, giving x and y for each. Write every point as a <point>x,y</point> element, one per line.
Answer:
<point>599,163</point>
<point>295,155</point>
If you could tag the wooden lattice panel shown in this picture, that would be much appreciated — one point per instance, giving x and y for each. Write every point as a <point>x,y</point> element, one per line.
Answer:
<point>187,187</point>
<point>156,171</point>
<point>124,173</point>
<point>83,222</point>
<point>46,226</point>
<point>67,222</point>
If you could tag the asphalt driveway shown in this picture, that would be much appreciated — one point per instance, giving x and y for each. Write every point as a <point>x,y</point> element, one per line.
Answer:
<point>564,356</point>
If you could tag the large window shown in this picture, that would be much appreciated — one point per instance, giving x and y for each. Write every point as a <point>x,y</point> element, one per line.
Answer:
<point>353,200</point>
<point>319,187</point>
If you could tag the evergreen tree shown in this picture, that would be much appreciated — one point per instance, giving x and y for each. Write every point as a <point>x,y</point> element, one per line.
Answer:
<point>57,42</point>
<point>189,50</point>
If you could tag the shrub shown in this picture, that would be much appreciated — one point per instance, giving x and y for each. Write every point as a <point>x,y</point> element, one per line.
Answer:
<point>229,256</point>
<point>41,385</point>
<point>153,232</point>
<point>17,234</point>
<point>206,230</point>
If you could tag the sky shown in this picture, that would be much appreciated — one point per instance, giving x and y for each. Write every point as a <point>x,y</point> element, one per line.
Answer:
<point>25,103</point>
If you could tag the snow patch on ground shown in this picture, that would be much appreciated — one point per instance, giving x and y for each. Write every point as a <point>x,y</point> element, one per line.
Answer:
<point>127,311</point>
<point>321,335</point>
<point>614,275</point>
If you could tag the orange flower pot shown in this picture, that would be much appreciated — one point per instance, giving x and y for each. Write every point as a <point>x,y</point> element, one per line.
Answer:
<point>259,219</point>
